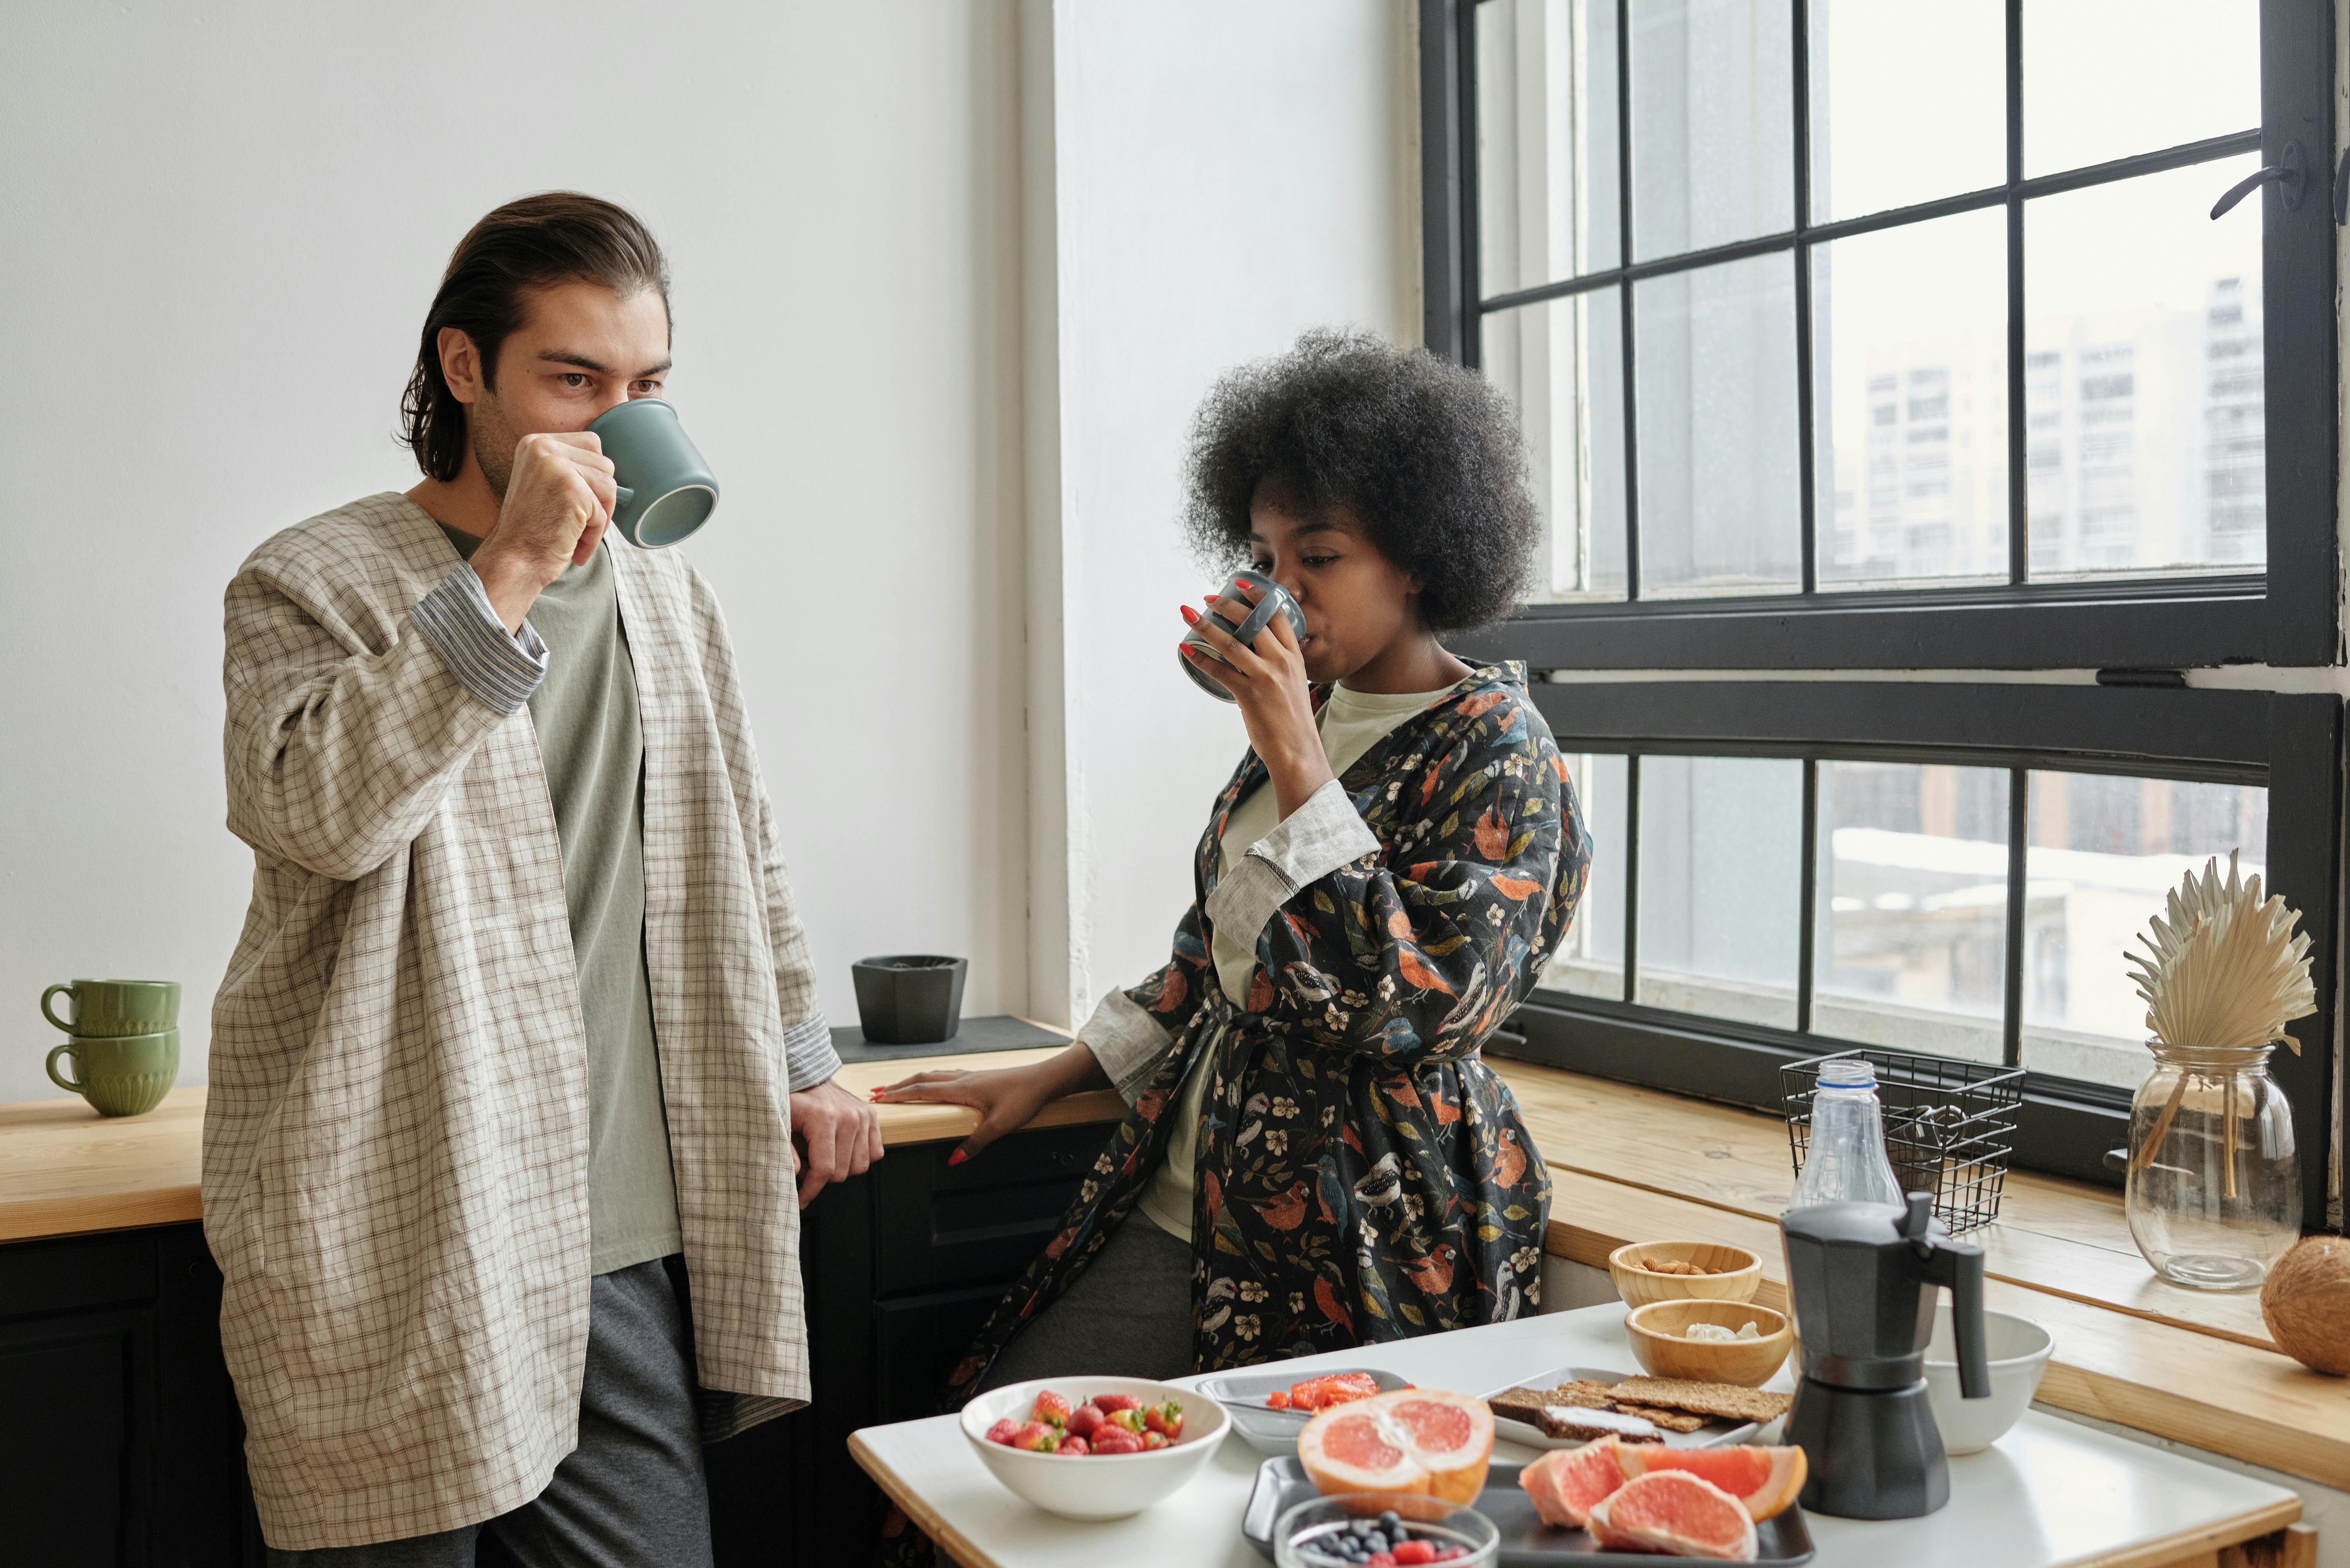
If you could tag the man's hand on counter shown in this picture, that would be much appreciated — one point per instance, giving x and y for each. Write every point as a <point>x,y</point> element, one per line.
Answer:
<point>836,1135</point>
<point>1006,1098</point>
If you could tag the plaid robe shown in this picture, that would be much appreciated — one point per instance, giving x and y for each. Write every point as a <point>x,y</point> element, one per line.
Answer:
<point>396,1139</point>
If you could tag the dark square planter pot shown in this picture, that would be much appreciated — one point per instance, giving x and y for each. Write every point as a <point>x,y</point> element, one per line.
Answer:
<point>910,999</point>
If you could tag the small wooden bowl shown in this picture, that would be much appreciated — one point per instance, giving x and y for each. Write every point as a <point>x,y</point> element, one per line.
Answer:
<point>1655,1333</point>
<point>1737,1272</point>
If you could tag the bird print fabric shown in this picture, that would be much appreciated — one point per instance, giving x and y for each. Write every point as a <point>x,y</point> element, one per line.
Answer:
<point>1361,1174</point>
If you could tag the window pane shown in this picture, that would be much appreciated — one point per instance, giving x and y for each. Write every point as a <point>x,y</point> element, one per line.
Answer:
<point>1911,951</point>
<point>1590,961</point>
<point>1909,402</point>
<point>1713,146</point>
<point>1719,484</point>
<point>1886,132</point>
<point>2143,392</point>
<point>1722,854</point>
<point>1548,168</point>
<point>1562,363</point>
<point>2103,79</point>
<point>2105,852</point>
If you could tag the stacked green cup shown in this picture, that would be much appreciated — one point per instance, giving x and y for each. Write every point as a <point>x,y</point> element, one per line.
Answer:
<point>124,1041</point>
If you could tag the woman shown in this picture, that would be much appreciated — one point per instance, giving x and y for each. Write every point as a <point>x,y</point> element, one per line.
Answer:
<point>1315,1154</point>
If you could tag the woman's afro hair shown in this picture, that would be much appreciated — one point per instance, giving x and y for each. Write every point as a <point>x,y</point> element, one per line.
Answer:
<point>1426,456</point>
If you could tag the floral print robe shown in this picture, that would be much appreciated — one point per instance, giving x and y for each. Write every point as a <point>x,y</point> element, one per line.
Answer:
<point>1361,1174</point>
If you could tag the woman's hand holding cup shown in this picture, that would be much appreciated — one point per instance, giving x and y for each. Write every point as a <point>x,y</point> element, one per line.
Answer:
<point>1267,678</point>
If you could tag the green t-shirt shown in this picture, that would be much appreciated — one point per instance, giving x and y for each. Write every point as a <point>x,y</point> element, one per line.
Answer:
<point>593,747</point>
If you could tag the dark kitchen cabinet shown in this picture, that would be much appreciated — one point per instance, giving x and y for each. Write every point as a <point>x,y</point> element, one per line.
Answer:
<point>902,1265</point>
<point>120,1446</point>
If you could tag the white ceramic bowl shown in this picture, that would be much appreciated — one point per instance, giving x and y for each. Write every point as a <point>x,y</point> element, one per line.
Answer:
<point>1095,1486</point>
<point>2017,1349</point>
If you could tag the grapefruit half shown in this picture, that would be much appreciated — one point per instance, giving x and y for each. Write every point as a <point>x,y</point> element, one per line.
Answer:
<point>1567,1483</point>
<point>1766,1481</point>
<point>1677,1513</point>
<point>1414,1439</point>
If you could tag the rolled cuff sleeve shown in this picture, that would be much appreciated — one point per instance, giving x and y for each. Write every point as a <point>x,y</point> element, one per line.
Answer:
<point>1127,1042</point>
<point>1313,841</point>
<point>808,1055</point>
<point>499,668</point>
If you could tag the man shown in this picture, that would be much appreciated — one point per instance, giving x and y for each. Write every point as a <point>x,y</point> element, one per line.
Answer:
<point>522,1025</point>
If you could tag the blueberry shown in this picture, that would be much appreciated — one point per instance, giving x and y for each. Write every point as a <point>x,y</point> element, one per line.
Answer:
<point>1391,1522</point>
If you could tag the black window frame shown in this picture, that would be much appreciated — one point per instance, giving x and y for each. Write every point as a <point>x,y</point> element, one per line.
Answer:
<point>2291,743</point>
<point>2285,615</point>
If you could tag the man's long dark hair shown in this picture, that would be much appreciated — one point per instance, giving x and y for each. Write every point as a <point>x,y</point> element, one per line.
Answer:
<point>560,237</point>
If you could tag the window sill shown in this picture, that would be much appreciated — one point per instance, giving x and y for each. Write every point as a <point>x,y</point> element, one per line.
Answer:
<point>1629,1164</point>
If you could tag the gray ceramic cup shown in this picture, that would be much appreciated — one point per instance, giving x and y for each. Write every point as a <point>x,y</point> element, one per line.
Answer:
<point>1276,601</point>
<point>667,491</point>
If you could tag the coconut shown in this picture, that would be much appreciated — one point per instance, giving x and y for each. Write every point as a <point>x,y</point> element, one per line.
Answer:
<point>2306,1303</point>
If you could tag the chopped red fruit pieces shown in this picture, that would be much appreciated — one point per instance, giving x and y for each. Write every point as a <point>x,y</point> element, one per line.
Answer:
<point>1103,1424</point>
<point>1318,1394</point>
<point>1278,1399</point>
<point>1413,1553</point>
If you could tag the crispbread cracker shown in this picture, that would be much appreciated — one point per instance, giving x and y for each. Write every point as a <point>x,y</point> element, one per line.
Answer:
<point>1726,1400</point>
<point>1671,1420</point>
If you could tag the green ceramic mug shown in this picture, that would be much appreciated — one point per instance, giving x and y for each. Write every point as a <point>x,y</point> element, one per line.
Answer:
<point>666,490</point>
<point>120,1075</point>
<point>103,1007</point>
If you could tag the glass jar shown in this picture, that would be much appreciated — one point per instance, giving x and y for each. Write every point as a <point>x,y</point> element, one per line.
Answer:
<point>2214,1182</point>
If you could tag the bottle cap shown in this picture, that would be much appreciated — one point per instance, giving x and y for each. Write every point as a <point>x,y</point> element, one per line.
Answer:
<point>1847,1072</point>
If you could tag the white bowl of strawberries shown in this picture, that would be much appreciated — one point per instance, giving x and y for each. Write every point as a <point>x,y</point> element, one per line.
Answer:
<point>1094,1447</point>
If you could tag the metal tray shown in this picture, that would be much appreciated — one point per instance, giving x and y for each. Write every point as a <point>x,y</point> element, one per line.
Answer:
<point>1712,1435</point>
<point>1275,1431</point>
<point>1526,1541</point>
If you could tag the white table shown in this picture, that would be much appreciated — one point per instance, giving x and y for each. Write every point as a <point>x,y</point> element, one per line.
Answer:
<point>2050,1494</point>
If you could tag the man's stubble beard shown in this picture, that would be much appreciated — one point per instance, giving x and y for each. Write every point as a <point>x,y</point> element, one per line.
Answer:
<point>492,440</point>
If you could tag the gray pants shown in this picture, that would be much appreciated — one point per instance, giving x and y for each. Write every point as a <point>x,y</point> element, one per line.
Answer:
<point>631,1494</point>
<point>1128,1316</point>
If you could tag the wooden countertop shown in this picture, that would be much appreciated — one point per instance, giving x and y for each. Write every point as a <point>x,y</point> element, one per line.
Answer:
<point>65,1169</point>
<point>1626,1164</point>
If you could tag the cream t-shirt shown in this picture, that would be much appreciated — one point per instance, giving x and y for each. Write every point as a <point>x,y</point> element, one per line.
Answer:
<point>1351,722</point>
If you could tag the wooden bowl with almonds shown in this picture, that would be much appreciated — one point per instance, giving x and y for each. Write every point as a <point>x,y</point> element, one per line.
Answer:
<point>1649,1272</point>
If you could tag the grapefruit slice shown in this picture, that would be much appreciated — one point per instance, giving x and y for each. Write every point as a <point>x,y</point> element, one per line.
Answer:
<point>1565,1483</point>
<point>1414,1439</point>
<point>1766,1481</point>
<point>1677,1513</point>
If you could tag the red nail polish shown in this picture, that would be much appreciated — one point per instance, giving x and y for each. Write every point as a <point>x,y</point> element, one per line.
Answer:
<point>957,1158</point>
<point>1189,614</point>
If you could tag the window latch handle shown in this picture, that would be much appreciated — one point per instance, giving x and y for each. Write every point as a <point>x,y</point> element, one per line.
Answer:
<point>2287,173</point>
<point>2341,190</point>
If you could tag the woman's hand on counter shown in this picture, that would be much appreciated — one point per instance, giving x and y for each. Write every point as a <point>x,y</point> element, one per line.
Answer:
<point>1006,1098</point>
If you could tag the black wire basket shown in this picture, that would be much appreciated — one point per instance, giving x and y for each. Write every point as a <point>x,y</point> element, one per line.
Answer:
<point>1949,1127</point>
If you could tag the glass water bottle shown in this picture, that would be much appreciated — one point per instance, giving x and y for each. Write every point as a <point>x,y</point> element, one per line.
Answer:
<point>2214,1179</point>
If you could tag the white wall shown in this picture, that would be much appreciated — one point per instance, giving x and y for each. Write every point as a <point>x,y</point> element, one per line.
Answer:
<point>223,226</point>
<point>1224,176</point>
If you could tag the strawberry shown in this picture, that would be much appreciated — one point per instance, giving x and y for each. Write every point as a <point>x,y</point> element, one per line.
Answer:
<point>1167,1418</point>
<point>1450,1553</point>
<point>1074,1445</point>
<point>1378,1559</point>
<point>1051,1406</point>
<point>1037,1436</point>
<point>1115,1440</point>
<point>1154,1440</point>
<point>1001,1431</point>
<point>1412,1553</point>
<point>1110,1402</point>
<point>1126,1417</point>
<point>1085,1419</point>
